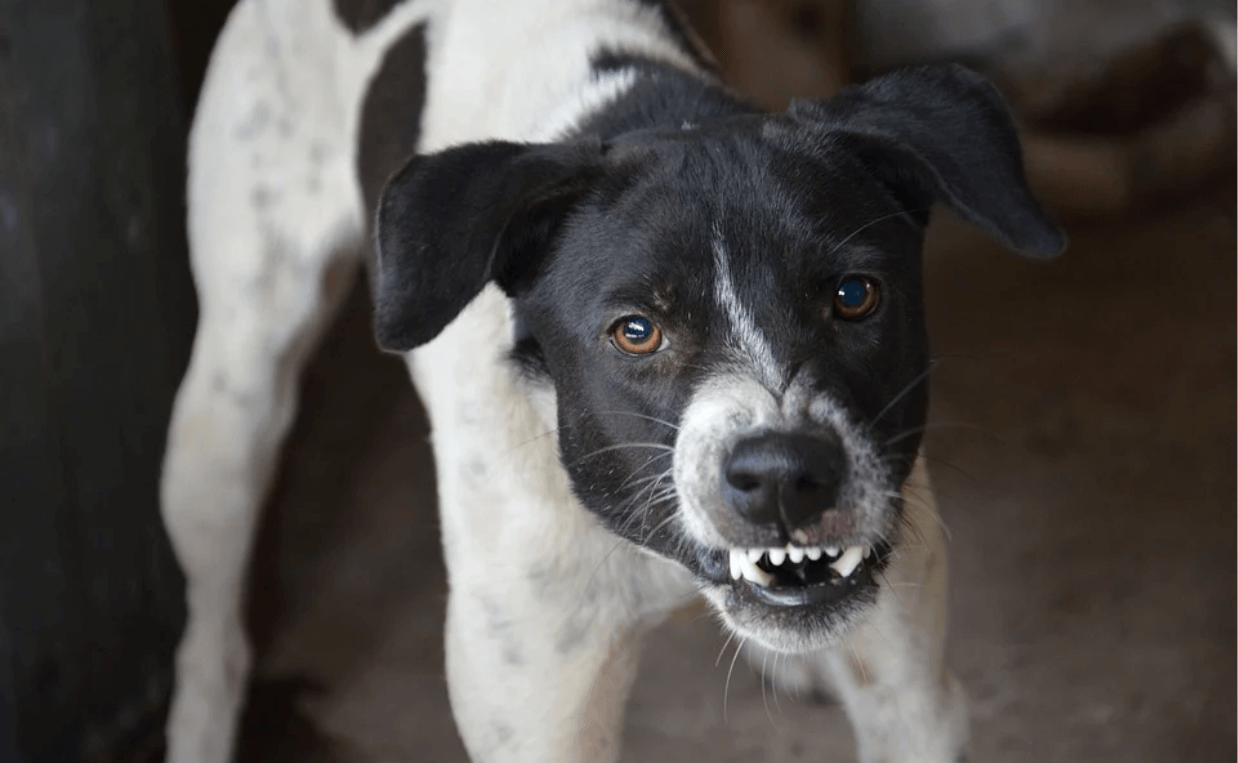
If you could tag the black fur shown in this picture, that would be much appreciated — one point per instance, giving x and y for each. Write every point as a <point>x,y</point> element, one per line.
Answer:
<point>361,15</point>
<point>483,212</point>
<point>391,113</point>
<point>622,219</point>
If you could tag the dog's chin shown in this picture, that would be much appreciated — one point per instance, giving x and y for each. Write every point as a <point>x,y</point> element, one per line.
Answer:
<point>794,608</point>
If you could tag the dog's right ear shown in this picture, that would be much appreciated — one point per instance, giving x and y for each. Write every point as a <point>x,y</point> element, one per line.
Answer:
<point>451,222</point>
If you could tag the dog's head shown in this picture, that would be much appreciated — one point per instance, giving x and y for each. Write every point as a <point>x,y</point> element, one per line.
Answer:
<point>730,315</point>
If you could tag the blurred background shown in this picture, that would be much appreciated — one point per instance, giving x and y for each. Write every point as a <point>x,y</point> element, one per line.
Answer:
<point>1083,411</point>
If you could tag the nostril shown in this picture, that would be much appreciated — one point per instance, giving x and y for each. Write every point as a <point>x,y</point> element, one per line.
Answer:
<point>806,484</point>
<point>744,482</point>
<point>783,478</point>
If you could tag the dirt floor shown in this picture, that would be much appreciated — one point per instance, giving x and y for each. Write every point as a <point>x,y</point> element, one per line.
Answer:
<point>1084,454</point>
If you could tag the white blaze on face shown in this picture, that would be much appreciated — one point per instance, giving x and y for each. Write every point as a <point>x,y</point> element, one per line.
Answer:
<point>749,344</point>
<point>722,410</point>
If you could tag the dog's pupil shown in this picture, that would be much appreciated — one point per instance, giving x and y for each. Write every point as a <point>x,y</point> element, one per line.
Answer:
<point>852,292</point>
<point>636,330</point>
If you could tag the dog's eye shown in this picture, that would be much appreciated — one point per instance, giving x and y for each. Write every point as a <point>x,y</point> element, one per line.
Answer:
<point>855,297</point>
<point>636,335</point>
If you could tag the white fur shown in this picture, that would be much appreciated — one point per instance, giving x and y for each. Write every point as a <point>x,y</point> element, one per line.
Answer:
<point>749,343</point>
<point>730,407</point>
<point>275,222</point>
<point>546,607</point>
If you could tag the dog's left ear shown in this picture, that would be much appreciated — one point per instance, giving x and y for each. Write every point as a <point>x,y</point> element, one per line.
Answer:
<point>943,133</point>
<point>451,222</point>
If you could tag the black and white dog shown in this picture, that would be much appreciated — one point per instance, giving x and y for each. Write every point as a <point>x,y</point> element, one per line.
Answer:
<point>669,344</point>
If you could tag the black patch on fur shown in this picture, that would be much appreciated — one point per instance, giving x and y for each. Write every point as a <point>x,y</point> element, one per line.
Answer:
<point>942,133</point>
<point>361,15</point>
<point>391,114</point>
<point>450,223</point>
<point>622,219</point>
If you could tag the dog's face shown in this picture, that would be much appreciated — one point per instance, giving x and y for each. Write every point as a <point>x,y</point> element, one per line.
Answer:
<point>731,318</point>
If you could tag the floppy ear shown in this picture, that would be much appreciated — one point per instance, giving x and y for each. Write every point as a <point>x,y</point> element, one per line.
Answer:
<point>451,222</point>
<point>943,133</point>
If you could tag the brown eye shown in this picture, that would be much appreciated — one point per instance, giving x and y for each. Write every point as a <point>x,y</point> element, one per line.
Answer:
<point>636,335</point>
<point>855,297</point>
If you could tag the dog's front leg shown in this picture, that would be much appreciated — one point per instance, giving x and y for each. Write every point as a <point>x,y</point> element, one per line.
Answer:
<point>275,227</point>
<point>546,607</point>
<point>903,703</point>
<point>541,654</point>
<point>525,688</point>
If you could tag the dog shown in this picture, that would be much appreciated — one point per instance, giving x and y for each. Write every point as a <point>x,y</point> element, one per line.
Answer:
<point>670,345</point>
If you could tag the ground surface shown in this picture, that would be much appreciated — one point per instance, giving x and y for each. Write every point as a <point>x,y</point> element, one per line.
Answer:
<point>1084,456</point>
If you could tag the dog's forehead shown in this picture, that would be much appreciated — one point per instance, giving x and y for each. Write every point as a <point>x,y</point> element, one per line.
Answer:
<point>730,203</point>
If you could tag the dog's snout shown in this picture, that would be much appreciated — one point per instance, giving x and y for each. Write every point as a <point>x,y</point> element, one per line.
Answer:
<point>783,478</point>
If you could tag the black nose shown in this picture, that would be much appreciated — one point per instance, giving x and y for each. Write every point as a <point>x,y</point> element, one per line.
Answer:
<point>787,477</point>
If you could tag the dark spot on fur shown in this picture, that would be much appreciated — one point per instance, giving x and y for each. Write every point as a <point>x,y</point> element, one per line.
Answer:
<point>263,197</point>
<point>499,628</point>
<point>571,637</point>
<point>391,114</point>
<point>360,15</point>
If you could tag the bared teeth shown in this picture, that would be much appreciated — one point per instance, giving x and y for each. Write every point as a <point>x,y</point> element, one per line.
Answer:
<point>743,566</point>
<point>743,562</point>
<point>850,559</point>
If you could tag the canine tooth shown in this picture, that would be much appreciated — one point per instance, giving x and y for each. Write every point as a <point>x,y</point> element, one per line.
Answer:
<point>813,553</point>
<point>868,550</point>
<point>850,559</point>
<point>736,569</point>
<point>754,573</point>
<point>795,554</point>
<point>777,556</point>
<point>831,550</point>
<point>755,554</point>
<point>800,537</point>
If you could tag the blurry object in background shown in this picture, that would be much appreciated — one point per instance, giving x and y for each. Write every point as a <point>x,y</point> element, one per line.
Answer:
<point>97,313</point>
<point>1155,121</point>
<point>1123,102</point>
<point>776,50</point>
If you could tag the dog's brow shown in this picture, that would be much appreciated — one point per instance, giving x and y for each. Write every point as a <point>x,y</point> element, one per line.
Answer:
<point>858,257</point>
<point>746,339</point>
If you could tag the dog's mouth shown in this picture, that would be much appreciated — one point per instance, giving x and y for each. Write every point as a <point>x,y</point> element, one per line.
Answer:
<point>802,576</point>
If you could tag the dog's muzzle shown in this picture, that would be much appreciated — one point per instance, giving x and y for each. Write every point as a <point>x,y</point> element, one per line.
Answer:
<point>787,486</point>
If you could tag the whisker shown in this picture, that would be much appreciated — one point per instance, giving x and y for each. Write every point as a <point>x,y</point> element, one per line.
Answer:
<point>726,690</point>
<point>774,684</point>
<point>721,652</point>
<point>871,223</point>
<point>764,701</point>
<point>622,445</point>
<point>654,419</point>
<point>933,425</point>
<point>910,386</point>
